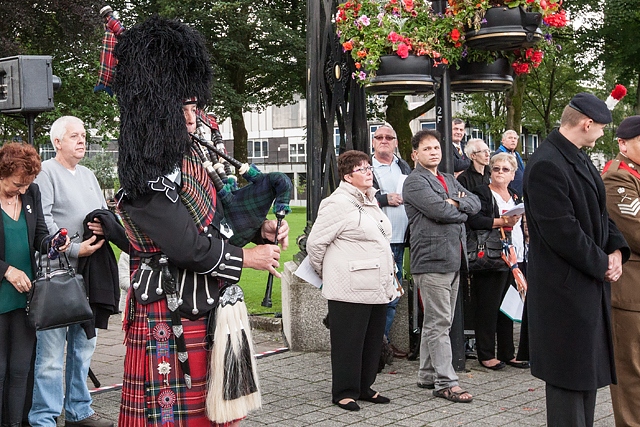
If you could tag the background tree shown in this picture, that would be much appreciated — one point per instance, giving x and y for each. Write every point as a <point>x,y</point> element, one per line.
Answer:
<point>70,31</point>
<point>257,50</point>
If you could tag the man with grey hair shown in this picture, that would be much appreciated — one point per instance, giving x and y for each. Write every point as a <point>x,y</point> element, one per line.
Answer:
<point>389,173</point>
<point>478,173</point>
<point>509,144</point>
<point>69,192</point>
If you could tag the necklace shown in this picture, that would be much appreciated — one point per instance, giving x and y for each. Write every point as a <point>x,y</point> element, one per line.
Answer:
<point>15,207</point>
<point>14,200</point>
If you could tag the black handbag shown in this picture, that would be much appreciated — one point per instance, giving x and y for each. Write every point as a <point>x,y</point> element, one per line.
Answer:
<point>484,250</point>
<point>57,297</point>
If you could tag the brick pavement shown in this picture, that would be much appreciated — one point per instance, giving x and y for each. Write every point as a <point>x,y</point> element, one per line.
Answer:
<point>296,392</point>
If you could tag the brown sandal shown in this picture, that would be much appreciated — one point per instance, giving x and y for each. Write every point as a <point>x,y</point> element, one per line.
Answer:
<point>453,396</point>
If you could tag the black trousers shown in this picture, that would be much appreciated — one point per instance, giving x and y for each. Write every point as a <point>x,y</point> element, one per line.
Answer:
<point>490,288</point>
<point>17,341</point>
<point>356,342</point>
<point>570,408</point>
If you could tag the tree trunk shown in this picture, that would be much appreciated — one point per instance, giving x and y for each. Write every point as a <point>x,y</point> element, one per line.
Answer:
<point>399,116</point>
<point>240,136</point>
<point>513,101</point>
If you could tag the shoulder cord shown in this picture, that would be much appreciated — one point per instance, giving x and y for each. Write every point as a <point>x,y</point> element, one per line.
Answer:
<point>362,210</point>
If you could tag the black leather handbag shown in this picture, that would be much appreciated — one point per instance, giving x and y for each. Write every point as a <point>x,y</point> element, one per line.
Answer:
<point>484,250</point>
<point>57,297</point>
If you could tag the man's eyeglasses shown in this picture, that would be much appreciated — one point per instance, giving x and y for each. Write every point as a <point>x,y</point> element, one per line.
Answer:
<point>363,171</point>
<point>497,169</point>
<point>385,137</point>
<point>486,151</point>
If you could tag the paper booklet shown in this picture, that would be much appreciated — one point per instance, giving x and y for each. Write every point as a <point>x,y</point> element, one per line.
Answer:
<point>308,274</point>
<point>512,305</point>
<point>516,210</point>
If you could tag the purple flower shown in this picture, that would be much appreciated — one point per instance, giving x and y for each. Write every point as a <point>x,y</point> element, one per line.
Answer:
<point>464,52</point>
<point>484,21</point>
<point>362,75</point>
<point>548,37</point>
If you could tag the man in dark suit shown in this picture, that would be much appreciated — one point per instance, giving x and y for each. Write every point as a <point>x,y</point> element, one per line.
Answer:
<point>460,161</point>
<point>575,252</point>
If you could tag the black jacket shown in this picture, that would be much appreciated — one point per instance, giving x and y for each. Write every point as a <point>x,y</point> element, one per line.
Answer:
<point>100,270</point>
<point>470,178</point>
<point>570,238</point>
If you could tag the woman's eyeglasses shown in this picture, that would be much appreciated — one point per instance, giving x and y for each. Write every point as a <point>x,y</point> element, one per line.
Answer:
<point>486,151</point>
<point>363,171</point>
<point>497,169</point>
<point>386,137</point>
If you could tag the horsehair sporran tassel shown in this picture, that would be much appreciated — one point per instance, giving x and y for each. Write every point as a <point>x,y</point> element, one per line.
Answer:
<point>230,374</point>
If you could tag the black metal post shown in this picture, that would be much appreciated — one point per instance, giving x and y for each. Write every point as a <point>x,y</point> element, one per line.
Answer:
<point>443,125</point>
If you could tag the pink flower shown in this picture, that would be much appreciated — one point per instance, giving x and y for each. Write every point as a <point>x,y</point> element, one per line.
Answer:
<point>363,20</point>
<point>362,75</point>
<point>394,37</point>
<point>403,50</point>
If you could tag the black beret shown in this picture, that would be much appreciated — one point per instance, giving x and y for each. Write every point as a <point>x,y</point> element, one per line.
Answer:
<point>629,128</point>
<point>592,107</point>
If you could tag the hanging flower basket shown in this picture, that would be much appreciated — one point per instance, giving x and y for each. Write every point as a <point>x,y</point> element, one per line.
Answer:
<point>493,76</point>
<point>409,76</point>
<point>505,28</point>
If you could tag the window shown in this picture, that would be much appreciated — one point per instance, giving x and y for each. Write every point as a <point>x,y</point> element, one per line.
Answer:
<point>297,151</point>
<point>427,125</point>
<point>258,149</point>
<point>372,130</point>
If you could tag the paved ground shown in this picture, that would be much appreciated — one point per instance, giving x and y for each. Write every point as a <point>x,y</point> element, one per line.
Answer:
<point>296,392</point>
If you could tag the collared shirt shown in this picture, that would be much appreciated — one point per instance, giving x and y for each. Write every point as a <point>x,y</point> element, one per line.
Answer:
<point>390,179</point>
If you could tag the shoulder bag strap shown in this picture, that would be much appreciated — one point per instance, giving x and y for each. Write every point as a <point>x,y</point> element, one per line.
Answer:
<point>362,210</point>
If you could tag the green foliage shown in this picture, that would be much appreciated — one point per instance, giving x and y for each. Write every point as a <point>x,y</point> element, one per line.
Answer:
<point>370,29</point>
<point>551,86</point>
<point>486,111</point>
<point>70,31</point>
<point>103,166</point>
<point>258,51</point>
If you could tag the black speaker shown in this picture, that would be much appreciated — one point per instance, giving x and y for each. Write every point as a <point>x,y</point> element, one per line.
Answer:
<point>27,84</point>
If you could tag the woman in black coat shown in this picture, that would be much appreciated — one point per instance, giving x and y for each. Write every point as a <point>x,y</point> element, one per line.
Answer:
<point>490,286</point>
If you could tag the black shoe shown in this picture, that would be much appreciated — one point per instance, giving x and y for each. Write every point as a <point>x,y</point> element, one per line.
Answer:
<point>495,367</point>
<point>427,386</point>
<point>349,406</point>
<point>520,365</point>
<point>94,420</point>
<point>377,399</point>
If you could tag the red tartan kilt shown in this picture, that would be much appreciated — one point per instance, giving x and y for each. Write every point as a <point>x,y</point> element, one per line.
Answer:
<point>145,391</point>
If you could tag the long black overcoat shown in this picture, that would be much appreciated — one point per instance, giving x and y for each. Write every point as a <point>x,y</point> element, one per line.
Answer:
<point>571,235</point>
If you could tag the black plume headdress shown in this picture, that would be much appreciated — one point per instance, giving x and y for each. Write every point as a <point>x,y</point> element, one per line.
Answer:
<point>160,63</point>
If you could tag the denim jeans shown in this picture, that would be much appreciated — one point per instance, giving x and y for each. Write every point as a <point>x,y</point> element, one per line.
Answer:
<point>48,394</point>
<point>398,254</point>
